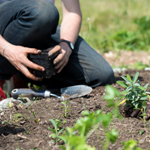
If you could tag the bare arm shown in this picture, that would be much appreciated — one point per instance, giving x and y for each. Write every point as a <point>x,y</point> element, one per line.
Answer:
<point>71,23</point>
<point>70,28</point>
<point>17,56</point>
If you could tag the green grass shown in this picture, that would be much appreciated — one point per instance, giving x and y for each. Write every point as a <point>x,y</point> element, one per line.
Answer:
<point>115,24</point>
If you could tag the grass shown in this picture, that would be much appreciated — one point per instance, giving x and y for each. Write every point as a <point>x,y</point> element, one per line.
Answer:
<point>115,24</point>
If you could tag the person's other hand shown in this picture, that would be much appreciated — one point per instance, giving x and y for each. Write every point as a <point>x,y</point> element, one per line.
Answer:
<point>17,56</point>
<point>138,112</point>
<point>62,59</point>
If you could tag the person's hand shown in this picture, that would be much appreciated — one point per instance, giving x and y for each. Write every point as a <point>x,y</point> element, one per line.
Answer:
<point>17,56</point>
<point>138,112</point>
<point>62,59</point>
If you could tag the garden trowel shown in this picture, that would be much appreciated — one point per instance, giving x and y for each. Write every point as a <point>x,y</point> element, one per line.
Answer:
<point>66,92</point>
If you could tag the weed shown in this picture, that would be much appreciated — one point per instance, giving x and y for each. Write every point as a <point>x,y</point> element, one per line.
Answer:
<point>66,108</point>
<point>5,121</point>
<point>141,132</point>
<point>131,145</point>
<point>27,132</point>
<point>144,113</point>
<point>56,132</point>
<point>17,117</point>
<point>34,115</point>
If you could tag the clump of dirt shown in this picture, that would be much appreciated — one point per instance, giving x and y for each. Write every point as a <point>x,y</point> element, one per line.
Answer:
<point>26,127</point>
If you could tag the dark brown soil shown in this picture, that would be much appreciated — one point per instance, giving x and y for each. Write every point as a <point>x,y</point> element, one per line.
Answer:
<point>28,134</point>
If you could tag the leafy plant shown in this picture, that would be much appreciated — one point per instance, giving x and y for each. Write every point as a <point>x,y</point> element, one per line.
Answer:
<point>66,108</point>
<point>34,115</point>
<point>5,121</point>
<point>56,132</point>
<point>135,93</point>
<point>75,137</point>
<point>144,113</point>
<point>113,97</point>
<point>131,145</point>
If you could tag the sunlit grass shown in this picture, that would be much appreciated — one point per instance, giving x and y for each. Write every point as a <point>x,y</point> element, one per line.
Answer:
<point>104,21</point>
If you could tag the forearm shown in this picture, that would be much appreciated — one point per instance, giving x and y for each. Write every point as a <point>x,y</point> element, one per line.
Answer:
<point>70,27</point>
<point>71,22</point>
<point>3,45</point>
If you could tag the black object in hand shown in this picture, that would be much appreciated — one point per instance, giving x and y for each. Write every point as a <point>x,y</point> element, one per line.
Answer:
<point>46,60</point>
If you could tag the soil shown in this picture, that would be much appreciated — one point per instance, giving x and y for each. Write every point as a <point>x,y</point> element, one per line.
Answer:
<point>127,58</point>
<point>23,132</point>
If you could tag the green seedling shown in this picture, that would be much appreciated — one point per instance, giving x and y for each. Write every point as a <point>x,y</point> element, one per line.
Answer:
<point>27,132</point>
<point>131,145</point>
<point>75,137</point>
<point>135,93</point>
<point>66,108</point>
<point>17,117</point>
<point>35,118</point>
<point>5,121</point>
<point>56,131</point>
<point>141,132</point>
<point>144,113</point>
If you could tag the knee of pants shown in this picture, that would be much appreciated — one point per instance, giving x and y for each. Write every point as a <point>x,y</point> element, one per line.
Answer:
<point>101,76</point>
<point>41,15</point>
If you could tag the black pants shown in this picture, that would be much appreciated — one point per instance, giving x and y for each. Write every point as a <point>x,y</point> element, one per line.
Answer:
<point>34,23</point>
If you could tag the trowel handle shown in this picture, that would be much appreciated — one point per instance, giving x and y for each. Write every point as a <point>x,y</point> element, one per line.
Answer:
<point>15,93</point>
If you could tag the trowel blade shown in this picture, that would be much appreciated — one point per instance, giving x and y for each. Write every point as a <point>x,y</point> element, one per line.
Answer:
<point>75,91</point>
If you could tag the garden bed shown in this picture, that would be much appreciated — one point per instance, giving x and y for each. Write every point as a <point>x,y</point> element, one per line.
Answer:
<point>26,128</point>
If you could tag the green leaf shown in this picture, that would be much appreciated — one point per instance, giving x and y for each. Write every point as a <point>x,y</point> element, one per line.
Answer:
<point>52,130</point>
<point>85,113</point>
<point>144,97</point>
<point>111,93</point>
<point>129,145</point>
<point>143,114</point>
<point>129,78</point>
<point>63,103</point>
<point>141,132</point>
<point>62,147</point>
<point>67,101</point>
<point>54,123</point>
<point>53,136</point>
<point>137,84</point>
<point>146,86</point>
<point>124,92</point>
<point>135,77</point>
<point>112,136</point>
<point>142,88</point>
<point>60,131</point>
<point>122,83</point>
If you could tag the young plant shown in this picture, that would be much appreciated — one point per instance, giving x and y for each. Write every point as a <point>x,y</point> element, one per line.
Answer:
<point>56,132</point>
<point>35,117</point>
<point>66,108</point>
<point>144,113</point>
<point>131,145</point>
<point>75,137</point>
<point>135,93</point>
